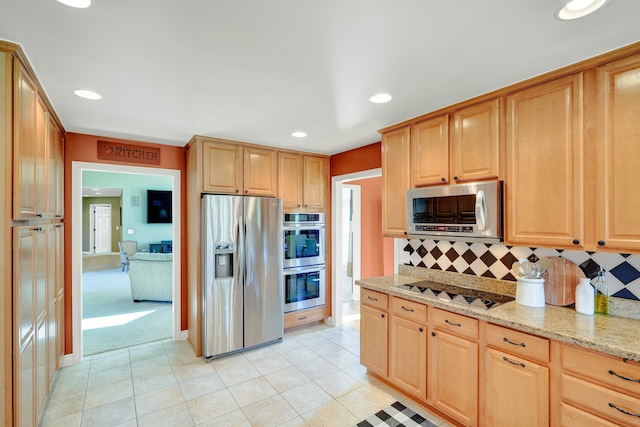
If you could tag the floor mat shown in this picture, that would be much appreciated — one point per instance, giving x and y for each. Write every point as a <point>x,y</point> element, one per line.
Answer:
<point>396,415</point>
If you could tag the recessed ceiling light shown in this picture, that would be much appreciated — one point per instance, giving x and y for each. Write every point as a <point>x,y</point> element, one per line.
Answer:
<point>380,98</point>
<point>299,134</point>
<point>575,9</point>
<point>79,4</point>
<point>83,93</point>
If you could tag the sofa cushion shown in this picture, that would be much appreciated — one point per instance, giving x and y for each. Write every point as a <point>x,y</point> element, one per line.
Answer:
<point>156,257</point>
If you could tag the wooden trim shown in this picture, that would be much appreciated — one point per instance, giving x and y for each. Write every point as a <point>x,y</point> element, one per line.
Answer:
<point>577,67</point>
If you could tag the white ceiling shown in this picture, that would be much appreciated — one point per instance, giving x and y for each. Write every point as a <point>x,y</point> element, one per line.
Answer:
<point>257,70</point>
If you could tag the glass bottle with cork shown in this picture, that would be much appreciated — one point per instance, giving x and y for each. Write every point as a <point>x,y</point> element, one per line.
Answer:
<point>601,294</point>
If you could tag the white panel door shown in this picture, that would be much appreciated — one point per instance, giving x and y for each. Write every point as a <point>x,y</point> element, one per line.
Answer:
<point>100,224</point>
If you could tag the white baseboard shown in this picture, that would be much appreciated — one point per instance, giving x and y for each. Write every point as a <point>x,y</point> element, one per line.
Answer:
<point>183,335</point>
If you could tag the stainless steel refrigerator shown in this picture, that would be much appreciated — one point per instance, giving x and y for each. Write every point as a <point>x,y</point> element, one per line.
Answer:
<point>242,278</point>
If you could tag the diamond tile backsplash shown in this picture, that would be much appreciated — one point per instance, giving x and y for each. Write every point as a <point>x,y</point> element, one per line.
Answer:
<point>495,260</point>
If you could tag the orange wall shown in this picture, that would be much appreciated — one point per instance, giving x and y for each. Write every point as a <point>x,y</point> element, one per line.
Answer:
<point>84,148</point>
<point>357,160</point>
<point>376,250</point>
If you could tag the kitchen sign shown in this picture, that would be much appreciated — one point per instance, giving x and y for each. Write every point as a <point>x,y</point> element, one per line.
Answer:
<point>128,153</point>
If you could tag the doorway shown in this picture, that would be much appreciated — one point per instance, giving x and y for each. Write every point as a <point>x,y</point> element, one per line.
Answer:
<point>343,218</point>
<point>100,228</point>
<point>76,265</point>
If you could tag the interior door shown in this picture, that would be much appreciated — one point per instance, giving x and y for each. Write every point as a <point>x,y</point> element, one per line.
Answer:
<point>100,224</point>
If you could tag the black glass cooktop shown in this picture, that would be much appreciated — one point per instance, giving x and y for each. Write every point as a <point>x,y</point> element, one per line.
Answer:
<point>457,294</point>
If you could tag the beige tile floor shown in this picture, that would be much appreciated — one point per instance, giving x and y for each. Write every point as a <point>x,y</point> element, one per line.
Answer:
<point>312,378</point>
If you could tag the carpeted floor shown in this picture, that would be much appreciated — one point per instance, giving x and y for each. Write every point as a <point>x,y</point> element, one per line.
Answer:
<point>110,318</point>
<point>396,415</point>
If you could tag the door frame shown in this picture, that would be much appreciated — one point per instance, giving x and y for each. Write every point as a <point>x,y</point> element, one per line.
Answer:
<point>76,247</point>
<point>337,183</point>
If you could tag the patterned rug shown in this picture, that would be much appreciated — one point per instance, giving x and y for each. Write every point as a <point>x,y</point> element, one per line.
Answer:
<point>396,415</point>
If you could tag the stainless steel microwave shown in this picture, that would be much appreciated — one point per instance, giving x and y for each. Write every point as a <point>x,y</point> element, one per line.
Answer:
<point>469,212</point>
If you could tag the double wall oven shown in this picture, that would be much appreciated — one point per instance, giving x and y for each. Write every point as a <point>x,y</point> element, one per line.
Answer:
<point>304,265</point>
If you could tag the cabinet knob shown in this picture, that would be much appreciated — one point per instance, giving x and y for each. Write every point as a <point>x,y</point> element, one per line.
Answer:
<point>246,191</point>
<point>443,179</point>
<point>601,243</point>
<point>455,178</point>
<point>382,315</point>
<point>420,329</point>
<point>298,205</point>
<point>576,242</point>
<point>237,190</point>
<point>433,334</point>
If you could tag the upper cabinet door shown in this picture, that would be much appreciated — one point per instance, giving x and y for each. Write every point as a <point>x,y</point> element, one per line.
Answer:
<point>260,166</point>
<point>222,168</point>
<point>25,152</point>
<point>544,174</point>
<point>475,143</point>
<point>316,172</point>
<point>55,169</point>
<point>430,152</point>
<point>618,151</point>
<point>290,180</point>
<point>395,182</point>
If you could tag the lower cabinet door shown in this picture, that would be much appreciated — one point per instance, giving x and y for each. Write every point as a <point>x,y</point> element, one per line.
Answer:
<point>408,356</point>
<point>453,376</point>
<point>374,333</point>
<point>516,391</point>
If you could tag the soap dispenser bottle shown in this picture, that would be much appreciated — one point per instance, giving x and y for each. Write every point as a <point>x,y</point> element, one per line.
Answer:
<point>601,294</point>
<point>585,294</point>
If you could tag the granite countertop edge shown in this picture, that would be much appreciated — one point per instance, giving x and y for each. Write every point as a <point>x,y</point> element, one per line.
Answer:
<point>614,335</point>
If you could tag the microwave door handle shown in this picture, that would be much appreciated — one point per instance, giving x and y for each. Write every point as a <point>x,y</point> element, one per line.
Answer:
<point>481,210</point>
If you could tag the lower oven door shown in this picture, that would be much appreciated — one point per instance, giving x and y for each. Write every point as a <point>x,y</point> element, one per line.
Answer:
<point>304,287</point>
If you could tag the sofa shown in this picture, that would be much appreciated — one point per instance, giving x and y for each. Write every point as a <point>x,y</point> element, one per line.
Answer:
<point>151,277</point>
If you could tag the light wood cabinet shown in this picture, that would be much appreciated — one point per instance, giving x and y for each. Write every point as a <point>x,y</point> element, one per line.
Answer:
<point>25,151</point>
<point>231,168</point>
<point>430,152</point>
<point>617,148</point>
<point>452,370</point>
<point>594,386</point>
<point>302,182</point>
<point>303,317</point>
<point>374,332</point>
<point>475,142</point>
<point>408,347</point>
<point>32,179</point>
<point>459,147</point>
<point>544,173</point>
<point>516,378</point>
<point>395,181</point>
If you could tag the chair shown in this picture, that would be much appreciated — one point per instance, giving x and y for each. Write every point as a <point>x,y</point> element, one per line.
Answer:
<point>128,249</point>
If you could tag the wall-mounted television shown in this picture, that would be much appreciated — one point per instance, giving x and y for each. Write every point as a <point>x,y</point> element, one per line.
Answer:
<point>158,207</point>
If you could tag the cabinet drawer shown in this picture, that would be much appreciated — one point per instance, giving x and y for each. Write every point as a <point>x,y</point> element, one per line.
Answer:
<point>574,417</point>
<point>601,401</point>
<point>609,371</point>
<point>455,323</point>
<point>374,299</point>
<point>519,343</point>
<point>409,309</point>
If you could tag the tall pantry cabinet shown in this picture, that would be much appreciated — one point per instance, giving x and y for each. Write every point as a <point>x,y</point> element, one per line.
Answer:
<point>32,301</point>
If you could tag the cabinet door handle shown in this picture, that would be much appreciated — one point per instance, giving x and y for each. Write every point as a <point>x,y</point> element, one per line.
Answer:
<point>382,315</point>
<point>453,324</point>
<point>624,411</point>
<point>372,298</point>
<point>505,339</point>
<point>601,243</point>
<point>407,309</point>
<point>612,372</point>
<point>302,318</point>
<point>506,359</point>
<point>420,329</point>
<point>443,179</point>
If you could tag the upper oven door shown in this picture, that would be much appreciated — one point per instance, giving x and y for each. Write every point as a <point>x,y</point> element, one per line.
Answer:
<point>303,245</point>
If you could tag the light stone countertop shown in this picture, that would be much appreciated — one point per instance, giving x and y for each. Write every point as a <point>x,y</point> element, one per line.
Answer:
<point>615,335</point>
